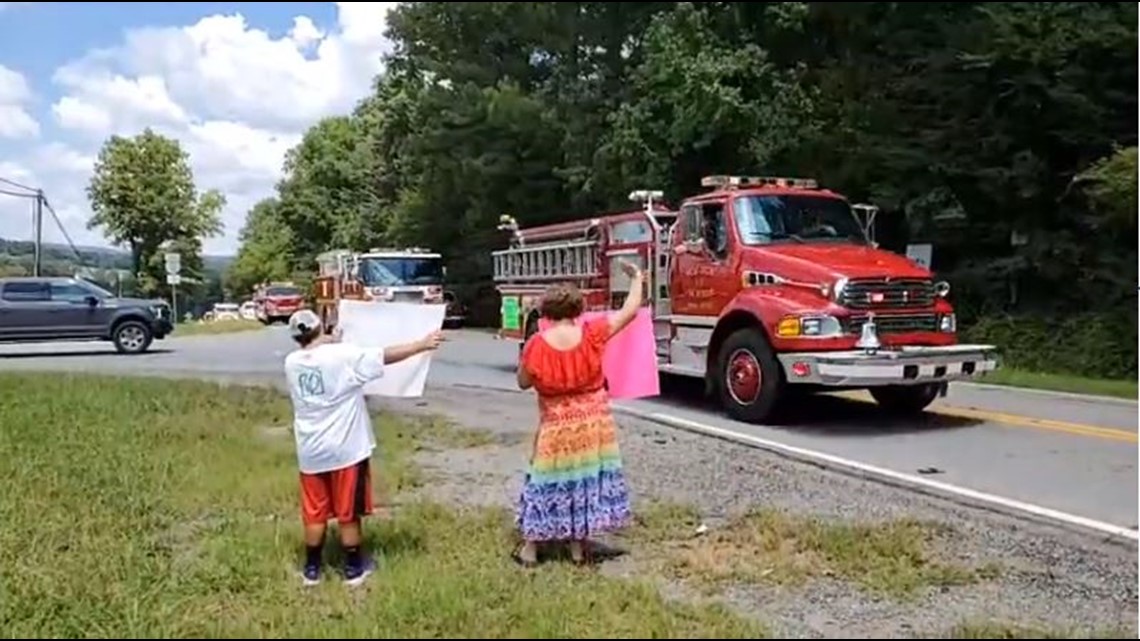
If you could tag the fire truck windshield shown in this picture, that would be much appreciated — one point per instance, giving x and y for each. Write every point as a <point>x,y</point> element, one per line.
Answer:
<point>282,290</point>
<point>763,219</point>
<point>398,271</point>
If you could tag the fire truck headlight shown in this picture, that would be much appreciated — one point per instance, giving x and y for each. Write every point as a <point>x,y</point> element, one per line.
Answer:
<point>947,323</point>
<point>942,289</point>
<point>816,326</point>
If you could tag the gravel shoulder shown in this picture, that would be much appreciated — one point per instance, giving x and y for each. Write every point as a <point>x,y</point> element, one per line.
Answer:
<point>700,537</point>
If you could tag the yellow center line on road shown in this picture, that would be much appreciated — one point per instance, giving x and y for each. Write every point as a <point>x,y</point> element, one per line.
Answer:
<point>1016,420</point>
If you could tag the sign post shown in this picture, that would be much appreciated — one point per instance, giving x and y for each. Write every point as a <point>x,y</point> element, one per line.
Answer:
<point>173,278</point>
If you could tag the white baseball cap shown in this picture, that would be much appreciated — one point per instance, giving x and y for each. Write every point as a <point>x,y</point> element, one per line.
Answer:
<point>302,322</point>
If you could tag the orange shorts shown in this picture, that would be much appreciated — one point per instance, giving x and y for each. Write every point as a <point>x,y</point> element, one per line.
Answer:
<point>344,494</point>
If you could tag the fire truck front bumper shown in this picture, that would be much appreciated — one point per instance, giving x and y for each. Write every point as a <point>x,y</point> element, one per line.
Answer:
<point>897,366</point>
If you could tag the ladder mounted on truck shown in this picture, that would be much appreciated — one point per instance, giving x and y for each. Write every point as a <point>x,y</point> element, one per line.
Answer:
<point>551,261</point>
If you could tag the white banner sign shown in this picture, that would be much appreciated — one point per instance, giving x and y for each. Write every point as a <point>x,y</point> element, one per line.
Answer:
<point>377,325</point>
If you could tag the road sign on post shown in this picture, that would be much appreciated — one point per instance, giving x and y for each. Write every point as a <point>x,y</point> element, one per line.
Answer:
<point>173,263</point>
<point>173,278</point>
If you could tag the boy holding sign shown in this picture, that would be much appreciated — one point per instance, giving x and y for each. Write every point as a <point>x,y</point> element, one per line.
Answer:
<point>334,435</point>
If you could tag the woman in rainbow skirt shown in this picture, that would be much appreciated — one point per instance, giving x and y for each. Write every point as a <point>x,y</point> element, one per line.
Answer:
<point>574,484</point>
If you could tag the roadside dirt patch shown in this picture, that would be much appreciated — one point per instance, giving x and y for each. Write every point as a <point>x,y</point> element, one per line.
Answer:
<point>897,558</point>
<point>463,464</point>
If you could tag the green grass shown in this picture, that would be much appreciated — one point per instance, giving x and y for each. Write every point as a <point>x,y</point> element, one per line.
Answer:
<point>137,507</point>
<point>196,328</point>
<point>893,558</point>
<point>1062,383</point>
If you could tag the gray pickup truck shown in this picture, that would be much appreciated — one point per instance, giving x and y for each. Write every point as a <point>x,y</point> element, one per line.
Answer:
<point>71,309</point>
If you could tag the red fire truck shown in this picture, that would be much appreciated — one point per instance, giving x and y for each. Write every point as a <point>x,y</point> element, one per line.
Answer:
<point>758,286</point>
<point>407,275</point>
<point>277,301</point>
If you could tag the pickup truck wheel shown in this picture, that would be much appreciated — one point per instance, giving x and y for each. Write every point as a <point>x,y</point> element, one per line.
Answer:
<point>748,376</point>
<point>131,337</point>
<point>905,399</point>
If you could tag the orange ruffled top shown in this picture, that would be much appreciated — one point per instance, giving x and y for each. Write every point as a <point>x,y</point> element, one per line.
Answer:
<point>576,370</point>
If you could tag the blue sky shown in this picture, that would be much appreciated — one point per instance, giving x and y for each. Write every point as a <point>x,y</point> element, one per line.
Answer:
<point>237,83</point>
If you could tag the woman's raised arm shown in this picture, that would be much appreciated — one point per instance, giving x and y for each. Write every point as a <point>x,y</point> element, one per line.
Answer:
<point>624,316</point>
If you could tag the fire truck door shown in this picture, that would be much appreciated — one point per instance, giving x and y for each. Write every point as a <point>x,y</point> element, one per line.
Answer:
<point>704,277</point>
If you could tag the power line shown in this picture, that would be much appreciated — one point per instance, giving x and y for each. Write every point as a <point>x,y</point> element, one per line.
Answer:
<point>59,223</point>
<point>41,202</point>
<point>17,194</point>
<point>13,183</point>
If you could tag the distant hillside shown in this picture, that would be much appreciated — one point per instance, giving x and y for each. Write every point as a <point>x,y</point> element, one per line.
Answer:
<point>20,251</point>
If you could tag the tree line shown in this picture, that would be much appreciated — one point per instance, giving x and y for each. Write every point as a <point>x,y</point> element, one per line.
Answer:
<point>1002,132</point>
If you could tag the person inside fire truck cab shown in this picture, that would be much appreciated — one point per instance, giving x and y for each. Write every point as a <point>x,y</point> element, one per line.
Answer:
<point>713,230</point>
<point>574,486</point>
<point>814,225</point>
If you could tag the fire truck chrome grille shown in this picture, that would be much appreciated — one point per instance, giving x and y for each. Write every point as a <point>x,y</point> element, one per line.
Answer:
<point>881,293</point>
<point>894,323</point>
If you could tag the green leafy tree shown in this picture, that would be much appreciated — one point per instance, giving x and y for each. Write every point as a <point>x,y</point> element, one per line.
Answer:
<point>267,250</point>
<point>327,197</point>
<point>143,196</point>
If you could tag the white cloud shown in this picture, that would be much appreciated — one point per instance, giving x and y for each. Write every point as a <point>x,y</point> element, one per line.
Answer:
<point>15,121</point>
<point>236,96</point>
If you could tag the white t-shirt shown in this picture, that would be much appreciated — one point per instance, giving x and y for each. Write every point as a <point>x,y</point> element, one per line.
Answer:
<point>330,417</point>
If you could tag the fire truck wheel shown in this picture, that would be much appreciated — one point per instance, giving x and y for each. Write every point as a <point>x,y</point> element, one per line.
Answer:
<point>902,400</point>
<point>748,376</point>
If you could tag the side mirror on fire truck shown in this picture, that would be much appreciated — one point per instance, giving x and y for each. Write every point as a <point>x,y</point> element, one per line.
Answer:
<point>866,215</point>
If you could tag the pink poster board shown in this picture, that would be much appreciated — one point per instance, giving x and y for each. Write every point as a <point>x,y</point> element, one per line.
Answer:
<point>630,359</point>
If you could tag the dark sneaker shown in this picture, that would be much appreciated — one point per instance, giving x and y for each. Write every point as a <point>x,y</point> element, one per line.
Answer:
<point>311,575</point>
<point>354,574</point>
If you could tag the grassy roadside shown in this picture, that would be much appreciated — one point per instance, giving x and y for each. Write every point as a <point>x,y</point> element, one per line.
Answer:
<point>218,327</point>
<point>141,507</point>
<point>1062,383</point>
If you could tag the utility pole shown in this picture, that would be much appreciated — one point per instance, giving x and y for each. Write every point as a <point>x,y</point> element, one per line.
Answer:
<point>38,223</point>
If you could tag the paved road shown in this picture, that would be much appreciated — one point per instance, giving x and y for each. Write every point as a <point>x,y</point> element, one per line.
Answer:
<point>1064,453</point>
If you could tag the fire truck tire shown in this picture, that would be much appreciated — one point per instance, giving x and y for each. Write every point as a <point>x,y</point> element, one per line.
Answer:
<point>905,400</point>
<point>748,377</point>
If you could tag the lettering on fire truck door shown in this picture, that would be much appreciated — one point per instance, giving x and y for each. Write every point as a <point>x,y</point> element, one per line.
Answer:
<point>704,275</point>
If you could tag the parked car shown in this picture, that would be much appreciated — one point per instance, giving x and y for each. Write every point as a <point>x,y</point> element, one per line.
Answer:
<point>226,311</point>
<point>249,310</point>
<point>53,309</point>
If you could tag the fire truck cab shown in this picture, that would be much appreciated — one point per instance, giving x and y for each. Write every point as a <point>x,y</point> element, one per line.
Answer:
<point>405,275</point>
<point>759,286</point>
<point>276,301</point>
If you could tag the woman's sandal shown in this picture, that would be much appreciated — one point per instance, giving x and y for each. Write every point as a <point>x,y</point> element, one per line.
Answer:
<point>517,557</point>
